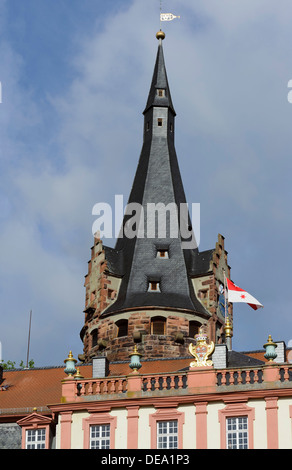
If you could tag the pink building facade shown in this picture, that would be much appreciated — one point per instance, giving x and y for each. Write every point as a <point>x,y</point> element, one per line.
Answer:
<point>191,408</point>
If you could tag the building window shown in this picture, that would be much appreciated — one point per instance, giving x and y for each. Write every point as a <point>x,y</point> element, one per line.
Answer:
<point>236,422</point>
<point>158,326</point>
<point>203,294</point>
<point>37,431</point>
<point>161,92</point>
<point>162,254</point>
<point>94,335</point>
<point>171,127</point>
<point>147,126</point>
<point>122,328</point>
<point>35,439</point>
<point>154,286</point>
<point>99,431</point>
<point>166,426</point>
<point>167,434</point>
<point>193,328</point>
<point>159,122</point>
<point>100,436</point>
<point>237,433</point>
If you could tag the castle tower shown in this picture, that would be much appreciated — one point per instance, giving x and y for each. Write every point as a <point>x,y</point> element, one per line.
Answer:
<point>155,287</point>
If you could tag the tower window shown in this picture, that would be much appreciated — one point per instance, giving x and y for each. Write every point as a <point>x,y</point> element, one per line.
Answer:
<point>159,122</point>
<point>203,294</point>
<point>161,92</point>
<point>154,286</point>
<point>171,127</point>
<point>111,294</point>
<point>147,126</point>
<point>94,335</point>
<point>193,328</point>
<point>122,328</point>
<point>162,254</point>
<point>158,325</point>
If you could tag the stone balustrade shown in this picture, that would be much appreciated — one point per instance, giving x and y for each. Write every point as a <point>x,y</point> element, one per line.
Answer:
<point>195,380</point>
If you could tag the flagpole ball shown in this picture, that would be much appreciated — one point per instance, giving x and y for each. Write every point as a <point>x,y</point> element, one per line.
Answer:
<point>160,35</point>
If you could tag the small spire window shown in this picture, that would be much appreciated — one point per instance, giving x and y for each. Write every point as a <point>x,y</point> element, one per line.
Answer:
<point>159,122</point>
<point>162,253</point>
<point>153,286</point>
<point>161,92</point>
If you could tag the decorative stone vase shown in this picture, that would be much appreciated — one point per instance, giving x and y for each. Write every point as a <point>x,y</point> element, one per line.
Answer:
<point>135,363</point>
<point>270,348</point>
<point>70,362</point>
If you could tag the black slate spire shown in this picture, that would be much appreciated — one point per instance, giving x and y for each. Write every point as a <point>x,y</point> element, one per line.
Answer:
<point>159,82</point>
<point>137,259</point>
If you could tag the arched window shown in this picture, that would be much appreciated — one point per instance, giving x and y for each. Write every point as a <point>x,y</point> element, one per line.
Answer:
<point>94,335</point>
<point>122,328</point>
<point>158,325</point>
<point>194,328</point>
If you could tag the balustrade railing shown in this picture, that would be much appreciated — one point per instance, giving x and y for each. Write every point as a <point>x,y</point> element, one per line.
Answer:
<point>250,377</point>
<point>103,386</point>
<point>155,382</point>
<point>239,376</point>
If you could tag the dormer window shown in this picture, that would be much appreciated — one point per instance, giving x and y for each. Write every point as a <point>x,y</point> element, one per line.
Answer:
<point>161,92</point>
<point>153,286</point>
<point>162,253</point>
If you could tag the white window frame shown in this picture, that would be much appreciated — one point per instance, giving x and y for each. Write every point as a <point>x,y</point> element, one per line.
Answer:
<point>35,438</point>
<point>102,441</point>
<point>167,434</point>
<point>237,432</point>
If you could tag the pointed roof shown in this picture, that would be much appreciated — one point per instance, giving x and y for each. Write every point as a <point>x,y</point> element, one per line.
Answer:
<point>157,180</point>
<point>159,81</point>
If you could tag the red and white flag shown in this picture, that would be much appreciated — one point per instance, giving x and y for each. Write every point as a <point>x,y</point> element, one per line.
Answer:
<point>236,294</point>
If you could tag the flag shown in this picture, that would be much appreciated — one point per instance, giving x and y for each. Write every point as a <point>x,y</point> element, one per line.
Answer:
<point>236,294</point>
<point>167,17</point>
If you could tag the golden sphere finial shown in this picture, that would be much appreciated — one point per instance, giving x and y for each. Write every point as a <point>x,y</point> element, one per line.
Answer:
<point>160,35</point>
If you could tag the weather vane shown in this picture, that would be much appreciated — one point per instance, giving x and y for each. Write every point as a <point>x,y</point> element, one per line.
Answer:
<point>166,16</point>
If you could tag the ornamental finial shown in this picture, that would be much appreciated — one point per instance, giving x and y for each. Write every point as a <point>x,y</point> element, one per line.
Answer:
<point>160,35</point>
<point>70,362</point>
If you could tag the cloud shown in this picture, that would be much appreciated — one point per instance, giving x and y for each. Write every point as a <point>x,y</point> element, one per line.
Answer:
<point>65,149</point>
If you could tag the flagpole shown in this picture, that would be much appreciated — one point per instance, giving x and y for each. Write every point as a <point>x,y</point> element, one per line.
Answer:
<point>27,358</point>
<point>225,294</point>
<point>228,327</point>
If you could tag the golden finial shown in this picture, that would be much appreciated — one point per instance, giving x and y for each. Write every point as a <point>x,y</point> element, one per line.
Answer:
<point>78,375</point>
<point>160,35</point>
<point>228,328</point>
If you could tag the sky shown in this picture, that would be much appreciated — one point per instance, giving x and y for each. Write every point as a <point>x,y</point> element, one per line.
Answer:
<point>74,82</point>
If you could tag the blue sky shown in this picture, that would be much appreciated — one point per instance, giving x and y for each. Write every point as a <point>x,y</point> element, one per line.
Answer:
<point>75,78</point>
